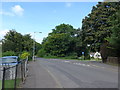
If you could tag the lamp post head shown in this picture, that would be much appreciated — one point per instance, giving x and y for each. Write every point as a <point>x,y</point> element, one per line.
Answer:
<point>88,45</point>
<point>37,32</point>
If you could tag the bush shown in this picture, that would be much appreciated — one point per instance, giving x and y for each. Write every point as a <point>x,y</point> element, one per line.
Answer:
<point>8,53</point>
<point>41,53</point>
<point>0,50</point>
<point>49,56</point>
<point>72,56</point>
<point>81,57</point>
<point>24,55</point>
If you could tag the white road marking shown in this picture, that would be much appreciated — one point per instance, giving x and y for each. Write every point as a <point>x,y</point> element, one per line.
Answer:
<point>81,64</point>
<point>98,66</point>
<point>88,65</point>
<point>66,61</point>
<point>56,80</point>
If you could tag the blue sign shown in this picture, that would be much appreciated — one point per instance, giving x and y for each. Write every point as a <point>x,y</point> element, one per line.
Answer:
<point>83,53</point>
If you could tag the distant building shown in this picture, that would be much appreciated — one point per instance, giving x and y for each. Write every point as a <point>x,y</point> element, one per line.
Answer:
<point>92,55</point>
<point>95,55</point>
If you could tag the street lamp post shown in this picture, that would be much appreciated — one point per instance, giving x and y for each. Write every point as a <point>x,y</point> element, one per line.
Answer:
<point>34,45</point>
<point>89,49</point>
<point>0,49</point>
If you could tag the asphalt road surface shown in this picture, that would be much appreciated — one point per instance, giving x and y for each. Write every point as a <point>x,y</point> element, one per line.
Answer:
<point>56,73</point>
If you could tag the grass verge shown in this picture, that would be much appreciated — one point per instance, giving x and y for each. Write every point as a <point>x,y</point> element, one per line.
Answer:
<point>113,64</point>
<point>11,83</point>
<point>0,84</point>
<point>69,58</point>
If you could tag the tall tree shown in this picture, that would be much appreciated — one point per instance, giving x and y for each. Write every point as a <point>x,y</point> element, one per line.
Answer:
<point>57,44</point>
<point>114,39</point>
<point>96,26</point>
<point>63,28</point>
<point>61,41</point>
<point>12,41</point>
<point>27,43</point>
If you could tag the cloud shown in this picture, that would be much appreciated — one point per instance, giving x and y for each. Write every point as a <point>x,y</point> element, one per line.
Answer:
<point>68,4</point>
<point>15,10</point>
<point>18,10</point>
<point>3,33</point>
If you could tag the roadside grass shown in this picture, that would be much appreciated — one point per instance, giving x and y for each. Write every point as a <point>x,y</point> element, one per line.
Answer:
<point>69,58</point>
<point>0,84</point>
<point>92,59</point>
<point>30,60</point>
<point>18,81</point>
<point>63,58</point>
<point>113,64</point>
<point>11,83</point>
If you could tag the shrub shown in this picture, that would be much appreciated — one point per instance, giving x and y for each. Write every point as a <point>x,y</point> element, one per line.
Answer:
<point>81,57</point>
<point>72,55</point>
<point>8,53</point>
<point>41,53</point>
<point>24,55</point>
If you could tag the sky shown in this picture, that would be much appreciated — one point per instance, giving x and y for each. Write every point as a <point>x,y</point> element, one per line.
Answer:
<point>30,17</point>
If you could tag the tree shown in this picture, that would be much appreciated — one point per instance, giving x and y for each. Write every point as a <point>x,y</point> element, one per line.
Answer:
<point>96,25</point>
<point>27,43</point>
<point>63,28</point>
<point>9,53</point>
<point>38,46</point>
<point>12,41</point>
<point>57,44</point>
<point>114,39</point>
<point>16,42</point>
<point>61,41</point>
<point>79,45</point>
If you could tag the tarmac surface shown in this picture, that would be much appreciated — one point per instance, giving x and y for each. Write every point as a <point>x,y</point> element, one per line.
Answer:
<point>56,73</point>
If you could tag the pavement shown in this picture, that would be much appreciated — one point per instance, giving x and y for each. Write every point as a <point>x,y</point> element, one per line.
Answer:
<point>56,73</point>
<point>38,77</point>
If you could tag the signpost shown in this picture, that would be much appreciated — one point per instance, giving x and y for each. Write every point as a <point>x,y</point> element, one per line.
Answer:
<point>83,54</point>
<point>34,45</point>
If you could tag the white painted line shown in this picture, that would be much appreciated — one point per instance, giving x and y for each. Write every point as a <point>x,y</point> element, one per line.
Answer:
<point>88,65</point>
<point>81,64</point>
<point>66,61</point>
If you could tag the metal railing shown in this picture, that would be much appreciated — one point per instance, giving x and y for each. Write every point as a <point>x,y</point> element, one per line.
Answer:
<point>13,76</point>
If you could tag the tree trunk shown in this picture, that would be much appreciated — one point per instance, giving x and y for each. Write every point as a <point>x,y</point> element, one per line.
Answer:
<point>103,52</point>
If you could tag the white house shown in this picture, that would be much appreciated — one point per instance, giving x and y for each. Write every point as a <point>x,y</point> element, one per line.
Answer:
<point>97,55</point>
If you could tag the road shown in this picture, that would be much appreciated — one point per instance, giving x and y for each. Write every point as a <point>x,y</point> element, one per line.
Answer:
<point>56,73</point>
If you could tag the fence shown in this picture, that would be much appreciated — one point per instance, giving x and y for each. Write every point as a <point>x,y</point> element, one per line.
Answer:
<point>113,60</point>
<point>12,76</point>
